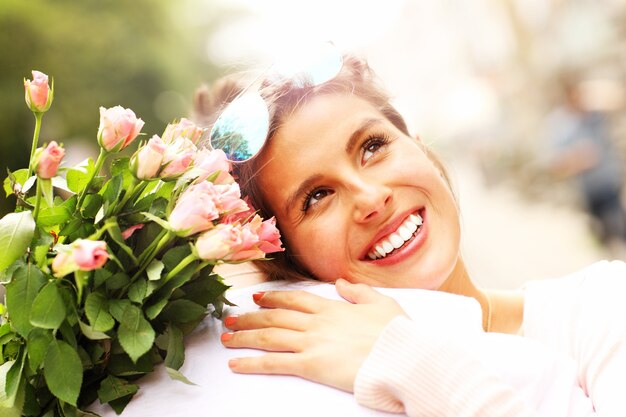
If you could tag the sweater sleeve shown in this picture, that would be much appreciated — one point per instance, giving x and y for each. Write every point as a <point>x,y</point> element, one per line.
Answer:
<point>437,378</point>
<point>422,370</point>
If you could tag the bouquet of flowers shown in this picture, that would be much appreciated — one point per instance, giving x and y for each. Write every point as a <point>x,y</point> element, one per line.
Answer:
<point>104,275</point>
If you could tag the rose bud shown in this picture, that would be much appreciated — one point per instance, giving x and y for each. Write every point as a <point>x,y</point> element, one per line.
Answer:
<point>195,210</point>
<point>82,254</point>
<point>38,93</point>
<point>208,163</point>
<point>118,128</point>
<point>269,235</point>
<point>185,129</point>
<point>146,162</point>
<point>47,160</point>
<point>177,159</point>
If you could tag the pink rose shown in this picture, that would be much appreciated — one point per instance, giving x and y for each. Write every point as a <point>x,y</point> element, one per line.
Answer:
<point>47,160</point>
<point>146,162</point>
<point>217,242</point>
<point>241,216</point>
<point>194,211</point>
<point>178,157</point>
<point>118,128</point>
<point>209,162</point>
<point>129,232</point>
<point>269,236</point>
<point>228,198</point>
<point>185,128</point>
<point>229,242</point>
<point>38,93</point>
<point>82,254</point>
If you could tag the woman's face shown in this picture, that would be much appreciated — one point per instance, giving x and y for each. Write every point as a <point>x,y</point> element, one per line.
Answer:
<point>356,198</point>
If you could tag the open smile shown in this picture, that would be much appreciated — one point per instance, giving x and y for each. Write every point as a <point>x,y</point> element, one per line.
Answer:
<point>399,238</point>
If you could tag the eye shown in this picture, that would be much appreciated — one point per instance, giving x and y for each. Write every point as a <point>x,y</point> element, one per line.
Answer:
<point>313,197</point>
<point>372,144</point>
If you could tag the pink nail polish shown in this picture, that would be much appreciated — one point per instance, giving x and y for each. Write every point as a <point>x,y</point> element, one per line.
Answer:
<point>257,296</point>
<point>226,337</point>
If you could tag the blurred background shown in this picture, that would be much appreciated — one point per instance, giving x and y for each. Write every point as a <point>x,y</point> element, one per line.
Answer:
<point>523,98</point>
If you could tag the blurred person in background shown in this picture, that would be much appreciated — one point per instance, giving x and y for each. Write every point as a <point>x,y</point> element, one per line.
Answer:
<point>582,149</point>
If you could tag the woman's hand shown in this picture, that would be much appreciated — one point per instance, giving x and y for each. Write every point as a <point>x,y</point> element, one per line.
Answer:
<point>322,340</point>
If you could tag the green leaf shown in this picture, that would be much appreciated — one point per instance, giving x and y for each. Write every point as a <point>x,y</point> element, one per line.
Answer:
<point>48,310</point>
<point>112,388</point>
<point>38,342</point>
<point>117,281</point>
<point>77,178</point>
<point>20,293</point>
<point>100,276</point>
<point>52,216</point>
<point>182,311</point>
<point>97,312</point>
<point>163,223</point>
<point>175,348</point>
<point>43,242</point>
<point>16,232</point>
<point>154,270</point>
<point>138,291</point>
<point>117,308</point>
<point>122,365</point>
<point>205,289</point>
<point>14,378</point>
<point>91,205</point>
<point>72,227</point>
<point>113,229</point>
<point>90,333</point>
<point>135,333</point>
<point>63,371</point>
<point>10,404</point>
<point>112,190</point>
<point>178,376</point>
<point>16,177</point>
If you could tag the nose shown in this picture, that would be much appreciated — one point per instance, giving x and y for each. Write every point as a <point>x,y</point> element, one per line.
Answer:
<point>370,200</point>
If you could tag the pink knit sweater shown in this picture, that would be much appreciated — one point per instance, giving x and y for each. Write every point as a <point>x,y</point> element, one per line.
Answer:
<point>580,318</point>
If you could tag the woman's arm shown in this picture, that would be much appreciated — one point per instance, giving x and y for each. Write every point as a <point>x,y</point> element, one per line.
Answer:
<point>402,365</point>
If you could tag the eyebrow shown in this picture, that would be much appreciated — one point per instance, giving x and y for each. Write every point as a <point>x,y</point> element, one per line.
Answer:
<point>356,135</point>
<point>350,144</point>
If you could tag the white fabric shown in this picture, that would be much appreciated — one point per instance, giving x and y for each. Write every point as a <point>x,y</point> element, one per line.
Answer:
<point>574,354</point>
<point>221,393</point>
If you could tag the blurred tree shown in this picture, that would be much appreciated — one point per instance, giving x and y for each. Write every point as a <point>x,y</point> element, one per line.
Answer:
<point>147,55</point>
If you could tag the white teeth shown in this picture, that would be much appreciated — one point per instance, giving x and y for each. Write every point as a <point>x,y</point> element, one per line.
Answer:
<point>404,233</point>
<point>398,238</point>
<point>416,219</point>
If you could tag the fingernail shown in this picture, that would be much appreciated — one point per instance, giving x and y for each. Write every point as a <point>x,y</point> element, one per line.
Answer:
<point>257,296</point>
<point>232,364</point>
<point>230,321</point>
<point>226,337</point>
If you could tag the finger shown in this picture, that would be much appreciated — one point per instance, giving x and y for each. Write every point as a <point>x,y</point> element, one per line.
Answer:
<point>269,364</point>
<point>280,318</point>
<point>297,300</point>
<point>357,293</point>
<point>274,340</point>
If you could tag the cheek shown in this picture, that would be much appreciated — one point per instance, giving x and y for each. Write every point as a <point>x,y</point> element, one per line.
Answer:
<point>321,250</point>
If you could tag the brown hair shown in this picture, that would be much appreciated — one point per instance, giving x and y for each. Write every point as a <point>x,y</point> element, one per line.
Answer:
<point>355,77</point>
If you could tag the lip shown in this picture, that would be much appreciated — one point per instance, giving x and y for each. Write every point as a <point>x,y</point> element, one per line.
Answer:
<point>392,227</point>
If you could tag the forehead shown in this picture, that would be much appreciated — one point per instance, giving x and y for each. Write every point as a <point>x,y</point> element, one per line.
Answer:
<point>311,141</point>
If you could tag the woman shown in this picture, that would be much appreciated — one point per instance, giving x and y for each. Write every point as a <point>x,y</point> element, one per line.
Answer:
<point>356,197</point>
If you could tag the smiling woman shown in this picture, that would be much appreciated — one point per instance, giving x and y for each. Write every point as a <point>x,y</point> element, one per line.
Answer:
<point>355,196</point>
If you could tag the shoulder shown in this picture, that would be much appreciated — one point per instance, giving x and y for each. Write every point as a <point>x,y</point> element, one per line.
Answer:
<point>604,278</point>
<point>592,297</point>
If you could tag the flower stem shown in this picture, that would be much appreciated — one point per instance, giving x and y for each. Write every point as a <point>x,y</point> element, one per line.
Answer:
<point>151,251</point>
<point>38,117</point>
<point>181,265</point>
<point>37,199</point>
<point>99,162</point>
<point>129,192</point>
